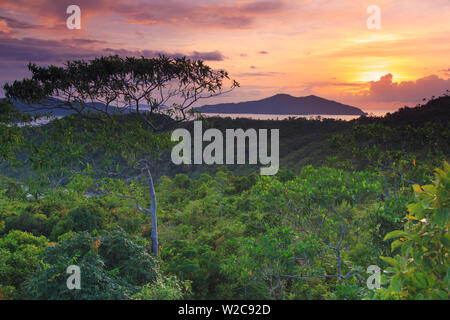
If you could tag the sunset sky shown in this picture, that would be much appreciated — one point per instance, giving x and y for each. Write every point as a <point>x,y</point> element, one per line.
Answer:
<point>300,47</point>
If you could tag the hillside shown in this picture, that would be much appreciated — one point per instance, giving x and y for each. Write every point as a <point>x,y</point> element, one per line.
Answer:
<point>285,104</point>
<point>56,108</point>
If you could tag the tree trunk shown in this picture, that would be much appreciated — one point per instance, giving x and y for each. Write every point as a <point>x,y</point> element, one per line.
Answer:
<point>151,188</point>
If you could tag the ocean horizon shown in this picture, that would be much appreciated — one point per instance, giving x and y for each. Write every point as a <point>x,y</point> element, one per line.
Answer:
<point>258,116</point>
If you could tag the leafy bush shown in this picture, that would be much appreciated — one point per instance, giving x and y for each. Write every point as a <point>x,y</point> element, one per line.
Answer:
<point>38,219</point>
<point>87,217</point>
<point>20,253</point>
<point>421,269</point>
<point>113,266</point>
<point>34,223</point>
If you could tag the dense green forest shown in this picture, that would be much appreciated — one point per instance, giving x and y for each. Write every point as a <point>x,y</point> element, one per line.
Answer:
<point>349,195</point>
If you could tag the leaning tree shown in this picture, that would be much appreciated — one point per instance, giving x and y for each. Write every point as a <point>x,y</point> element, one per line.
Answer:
<point>121,106</point>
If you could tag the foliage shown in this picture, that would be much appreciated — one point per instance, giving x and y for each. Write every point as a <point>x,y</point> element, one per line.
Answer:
<point>421,269</point>
<point>20,253</point>
<point>11,138</point>
<point>113,266</point>
<point>169,288</point>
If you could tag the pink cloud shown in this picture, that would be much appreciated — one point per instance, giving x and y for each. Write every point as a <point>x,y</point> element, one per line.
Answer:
<point>234,15</point>
<point>16,24</point>
<point>383,94</point>
<point>386,90</point>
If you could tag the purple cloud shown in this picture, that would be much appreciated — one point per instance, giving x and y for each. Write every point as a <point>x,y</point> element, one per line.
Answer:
<point>55,51</point>
<point>16,24</point>
<point>207,56</point>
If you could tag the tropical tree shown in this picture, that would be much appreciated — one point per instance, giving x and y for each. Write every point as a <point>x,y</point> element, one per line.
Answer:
<point>155,94</point>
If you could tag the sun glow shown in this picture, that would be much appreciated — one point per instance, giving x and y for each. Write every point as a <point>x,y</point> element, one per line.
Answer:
<point>370,76</point>
<point>367,76</point>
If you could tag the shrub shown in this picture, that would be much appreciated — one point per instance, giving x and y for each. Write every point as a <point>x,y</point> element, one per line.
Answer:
<point>20,253</point>
<point>421,269</point>
<point>113,266</point>
<point>87,217</point>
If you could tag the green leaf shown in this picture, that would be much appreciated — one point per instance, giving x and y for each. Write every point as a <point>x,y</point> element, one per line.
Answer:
<point>396,284</point>
<point>440,217</point>
<point>391,261</point>
<point>395,245</point>
<point>396,234</point>
<point>430,189</point>
<point>421,280</point>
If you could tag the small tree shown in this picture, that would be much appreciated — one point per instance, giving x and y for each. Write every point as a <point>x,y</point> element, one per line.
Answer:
<point>157,94</point>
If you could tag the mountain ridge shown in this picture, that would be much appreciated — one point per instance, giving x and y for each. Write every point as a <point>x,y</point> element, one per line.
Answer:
<point>284,104</point>
<point>50,107</point>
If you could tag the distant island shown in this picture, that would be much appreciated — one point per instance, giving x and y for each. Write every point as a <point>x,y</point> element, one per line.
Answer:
<point>285,104</point>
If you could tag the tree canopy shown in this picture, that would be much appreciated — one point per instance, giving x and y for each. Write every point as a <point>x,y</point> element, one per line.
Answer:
<point>112,84</point>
